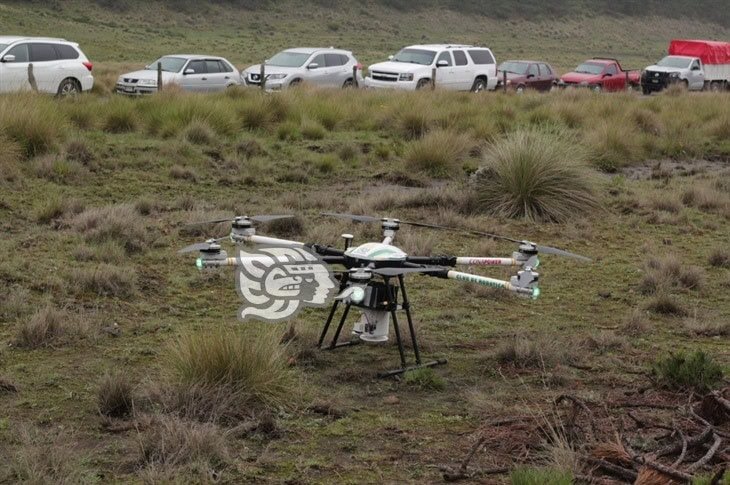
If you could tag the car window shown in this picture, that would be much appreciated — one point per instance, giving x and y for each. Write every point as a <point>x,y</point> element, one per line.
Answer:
<point>545,70</point>
<point>42,53</point>
<point>169,64</point>
<point>344,59</point>
<point>20,52</point>
<point>415,56</point>
<point>212,66</point>
<point>198,66</point>
<point>224,66</point>
<point>445,56</point>
<point>319,60</point>
<point>66,52</point>
<point>532,70</point>
<point>695,65</point>
<point>481,56</point>
<point>611,69</point>
<point>460,58</point>
<point>333,60</point>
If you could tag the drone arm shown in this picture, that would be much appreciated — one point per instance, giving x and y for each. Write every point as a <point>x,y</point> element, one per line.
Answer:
<point>468,261</point>
<point>271,241</point>
<point>216,263</point>
<point>492,283</point>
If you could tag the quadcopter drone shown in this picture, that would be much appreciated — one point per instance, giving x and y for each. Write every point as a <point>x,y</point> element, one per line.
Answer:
<point>374,275</point>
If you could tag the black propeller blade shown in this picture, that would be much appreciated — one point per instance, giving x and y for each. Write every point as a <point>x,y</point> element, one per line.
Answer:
<point>200,246</point>
<point>539,248</point>
<point>261,218</point>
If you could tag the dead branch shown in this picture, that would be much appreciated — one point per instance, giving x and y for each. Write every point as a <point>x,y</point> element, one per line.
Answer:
<point>708,456</point>
<point>721,400</point>
<point>617,470</point>
<point>707,423</point>
<point>680,459</point>
<point>460,474</point>
<point>692,441</point>
<point>667,470</point>
<point>579,404</point>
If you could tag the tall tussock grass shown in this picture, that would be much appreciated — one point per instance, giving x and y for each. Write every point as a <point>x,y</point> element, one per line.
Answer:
<point>33,122</point>
<point>439,153</point>
<point>248,368</point>
<point>535,174</point>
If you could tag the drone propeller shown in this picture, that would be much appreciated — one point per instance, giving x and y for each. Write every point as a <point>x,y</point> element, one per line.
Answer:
<point>208,245</point>
<point>261,218</point>
<point>537,247</point>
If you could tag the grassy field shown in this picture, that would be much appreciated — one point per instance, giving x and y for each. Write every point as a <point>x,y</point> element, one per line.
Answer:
<point>121,362</point>
<point>119,356</point>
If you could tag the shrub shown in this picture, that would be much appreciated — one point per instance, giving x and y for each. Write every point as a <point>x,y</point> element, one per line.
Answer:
<point>535,353</point>
<point>540,476</point>
<point>105,280</point>
<point>56,207</point>
<point>119,223</point>
<point>697,371</point>
<point>439,153</point>
<point>115,395</point>
<point>615,143</point>
<point>288,131</point>
<point>249,148</point>
<point>349,152</point>
<point>45,327</point>
<point>668,272</point>
<point>249,366</point>
<point>535,175</point>
<point>705,198</point>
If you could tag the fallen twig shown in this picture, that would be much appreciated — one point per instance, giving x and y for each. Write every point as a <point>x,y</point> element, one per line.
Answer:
<point>680,459</point>
<point>617,470</point>
<point>461,473</point>
<point>692,441</point>
<point>578,403</point>
<point>707,457</point>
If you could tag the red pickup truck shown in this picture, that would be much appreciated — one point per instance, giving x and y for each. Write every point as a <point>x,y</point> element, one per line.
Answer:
<point>601,74</point>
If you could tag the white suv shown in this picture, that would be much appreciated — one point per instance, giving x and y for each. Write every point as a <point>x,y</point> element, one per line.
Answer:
<point>190,72</point>
<point>59,66</point>
<point>331,68</point>
<point>458,68</point>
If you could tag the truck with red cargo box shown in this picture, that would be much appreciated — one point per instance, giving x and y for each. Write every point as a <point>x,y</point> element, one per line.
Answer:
<point>695,64</point>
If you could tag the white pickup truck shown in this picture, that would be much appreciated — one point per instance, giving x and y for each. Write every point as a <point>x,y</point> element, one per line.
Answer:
<point>696,64</point>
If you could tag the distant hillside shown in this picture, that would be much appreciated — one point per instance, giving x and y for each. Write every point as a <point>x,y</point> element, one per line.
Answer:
<point>563,32</point>
<point>716,11</point>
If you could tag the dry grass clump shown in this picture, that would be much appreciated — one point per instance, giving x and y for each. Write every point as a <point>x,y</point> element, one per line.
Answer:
<point>199,132</point>
<point>53,167</point>
<point>636,324</point>
<point>249,366</point>
<point>665,202</point>
<point>416,243</point>
<point>439,153</point>
<point>289,227</point>
<point>78,150</point>
<point>35,456</point>
<point>106,252</point>
<point>120,116</point>
<point>105,280</point>
<point>115,395</point>
<point>615,143</point>
<point>603,341</point>
<point>704,198</point>
<point>173,443</point>
<point>7,386</point>
<point>15,303</point>
<point>668,272</point>
<point>47,327</point>
<point>312,130</point>
<point>249,148</point>
<point>33,122</point>
<point>536,175</point>
<point>57,207</point>
<point>719,258</point>
<point>665,304</point>
<point>119,223</point>
<point>534,353</point>
<point>183,173</point>
<point>707,327</point>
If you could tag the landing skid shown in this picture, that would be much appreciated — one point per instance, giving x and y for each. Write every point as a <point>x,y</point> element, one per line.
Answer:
<point>393,307</point>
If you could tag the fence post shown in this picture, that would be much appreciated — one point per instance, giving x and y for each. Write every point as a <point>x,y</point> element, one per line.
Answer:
<point>628,85</point>
<point>433,78</point>
<point>31,78</point>
<point>263,76</point>
<point>504,81</point>
<point>355,84</point>
<point>159,76</point>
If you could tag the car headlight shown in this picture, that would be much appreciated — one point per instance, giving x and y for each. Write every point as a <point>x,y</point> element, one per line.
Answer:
<point>406,76</point>
<point>275,76</point>
<point>509,81</point>
<point>147,82</point>
<point>673,74</point>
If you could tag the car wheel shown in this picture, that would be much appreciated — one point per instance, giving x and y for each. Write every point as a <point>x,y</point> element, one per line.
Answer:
<point>295,83</point>
<point>645,91</point>
<point>69,87</point>
<point>597,88</point>
<point>715,87</point>
<point>554,87</point>
<point>520,89</point>
<point>348,84</point>
<point>480,84</point>
<point>423,83</point>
